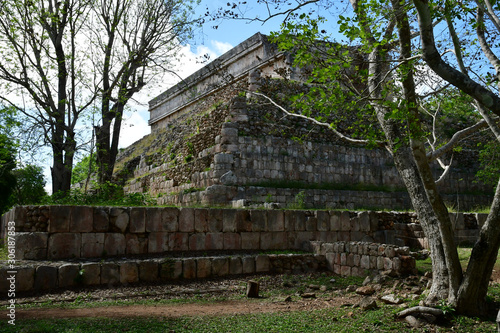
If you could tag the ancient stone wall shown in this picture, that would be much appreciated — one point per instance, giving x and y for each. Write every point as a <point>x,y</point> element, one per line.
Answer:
<point>94,232</point>
<point>251,158</point>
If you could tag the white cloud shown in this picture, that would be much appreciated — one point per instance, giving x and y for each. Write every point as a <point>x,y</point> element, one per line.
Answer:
<point>134,128</point>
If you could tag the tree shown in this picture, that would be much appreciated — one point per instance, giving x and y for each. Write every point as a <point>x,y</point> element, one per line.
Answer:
<point>29,187</point>
<point>137,40</point>
<point>383,31</point>
<point>59,59</point>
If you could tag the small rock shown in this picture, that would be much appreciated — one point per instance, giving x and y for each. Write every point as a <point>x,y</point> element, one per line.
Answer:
<point>332,280</point>
<point>314,286</point>
<point>367,304</point>
<point>367,281</point>
<point>365,290</point>
<point>390,272</point>
<point>379,279</point>
<point>350,288</point>
<point>416,290</point>
<point>323,288</point>
<point>412,321</point>
<point>428,317</point>
<point>391,299</point>
<point>308,295</point>
<point>288,298</point>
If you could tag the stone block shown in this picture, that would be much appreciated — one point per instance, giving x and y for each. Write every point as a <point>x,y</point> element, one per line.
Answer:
<point>248,265</point>
<point>136,244</point>
<point>275,220</point>
<point>311,223</point>
<point>91,274</point>
<point>220,266</point>
<point>259,220</point>
<point>186,220</point>
<point>45,278</point>
<point>129,272</point>
<point>69,275</point>
<point>345,221</point>
<point>137,220</point>
<point>262,263</point>
<point>235,265</point>
<point>215,220</point>
<point>189,268</point>
<point>229,220</point>
<point>201,220</point>
<point>344,236</point>
<point>345,270</point>
<point>250,240</point>
<point>82,219</point>
<point>118,219</point>
<point>387,264</point>
<point>31,245</point>
<point>114,244</point>
<point>158,242</point>
<point>149,271</point>
<point>365,262</point>
<point>170,269</point>
<point>203,268</point>
<point>101,219</point>
<point>178,241</point>
<point>355,224</point>
<point>153,218</point>
<point>214,241</point>
<point>323,220</point>
<point>64,246</point>
<point>335,220</point>
<point>299,240</point>
<point>232,241</point>
<point>60,217</point>
<point>243,220</point>
<point>364,221</point>
<point>25,278</point>
<point>110,274</point>
<point>197,242</point>
<point>92,245</point>
<point>373,221</point>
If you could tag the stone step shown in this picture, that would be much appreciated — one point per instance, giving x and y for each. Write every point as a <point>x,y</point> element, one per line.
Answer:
<point>43,276</point>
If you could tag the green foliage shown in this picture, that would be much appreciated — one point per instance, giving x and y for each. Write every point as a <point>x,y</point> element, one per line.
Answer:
<point>30,184</point>
<point>7,165</point>
<point>107,194</point>
<point>299,202</point>
<point>83,169</point>
<point>489,157</point>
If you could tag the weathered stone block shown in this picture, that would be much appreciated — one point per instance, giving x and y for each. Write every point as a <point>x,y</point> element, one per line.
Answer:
<point>197,242</point>
<point>335,220</point>
<point>220,266</point>
<point>92,245</point>
<point>203,268</point>
<point>31,245</point>
<point>229,220</point>
<point>243,220</point>
<point>215,220</point>
<point>158,242</point>
<point>299,240</point>
<point>149,271</point>
<point>345,221</point>
<point>186,220</point>
<point>60,217</point>
<point>214,241</point>
<point>154,220</point>
<point>248,265</point>
<point>232,241</point>
<point>275,220</point>
<point>114,244</point>
<point>136,244</point>
<point>64,246</point>
<point>345,270</point>
<point>365,262</point>
<point>82,219</point>
<point>262,263</point>
<point>25,278</point>
<point>178,241</point>
<point>170,269</point>
<point>250,240</point>
<point>137,220</point>
<point>189,268</point>
<point>91,274</point>
<point>323,220</point>
<point>45,278</point>
<point>69,275</point>
<point>201,220</point>
<point>235,265</point>
<point>170,219</point>
<point>364,221</point>
<point>101,219</point>
<point>129,272</point>
<point>118,219</point>
<point>259,220</point>
<point>110,274</point>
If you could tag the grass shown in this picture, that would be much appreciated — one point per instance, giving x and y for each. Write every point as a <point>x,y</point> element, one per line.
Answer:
<point>327,320</point>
